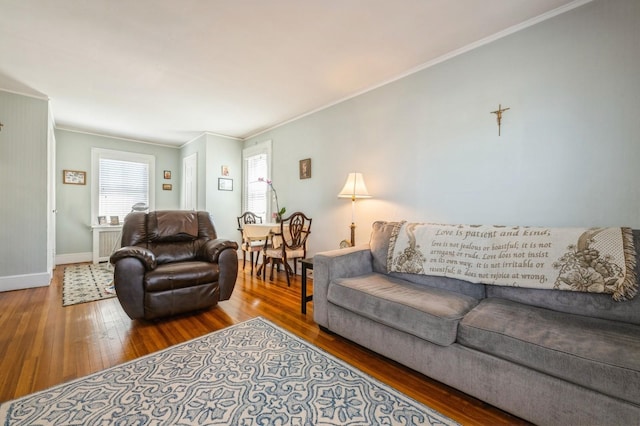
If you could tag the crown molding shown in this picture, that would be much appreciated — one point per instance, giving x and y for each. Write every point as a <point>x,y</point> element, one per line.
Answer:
<point>501,34</point>
<point>69,129</point>
<point>29,95</point>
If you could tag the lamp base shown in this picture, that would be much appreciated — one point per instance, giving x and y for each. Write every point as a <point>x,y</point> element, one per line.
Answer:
<point>345,243</point>
<point>353,234</point>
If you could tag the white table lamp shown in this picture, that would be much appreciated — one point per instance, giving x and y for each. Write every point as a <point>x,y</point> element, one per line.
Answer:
<point>354,188</point>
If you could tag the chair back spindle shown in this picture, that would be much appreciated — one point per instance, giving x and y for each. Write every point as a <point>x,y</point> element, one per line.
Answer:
<point>288,244</point>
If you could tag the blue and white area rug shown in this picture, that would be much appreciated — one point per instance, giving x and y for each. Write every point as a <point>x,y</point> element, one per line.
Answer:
<point>253,373</point>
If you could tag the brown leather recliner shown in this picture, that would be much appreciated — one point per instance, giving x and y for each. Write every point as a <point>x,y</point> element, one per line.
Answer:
<point>172,262</point>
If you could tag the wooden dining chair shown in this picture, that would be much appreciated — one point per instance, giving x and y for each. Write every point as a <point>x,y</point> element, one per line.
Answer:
<point>288,244</point>
<point>249,246</point>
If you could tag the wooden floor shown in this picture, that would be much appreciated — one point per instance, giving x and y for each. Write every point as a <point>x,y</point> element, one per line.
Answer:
<point>43,344</point>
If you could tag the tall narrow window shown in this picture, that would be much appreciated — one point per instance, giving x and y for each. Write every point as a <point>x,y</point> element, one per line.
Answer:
<point>120,180</point>
<point>256,165</point>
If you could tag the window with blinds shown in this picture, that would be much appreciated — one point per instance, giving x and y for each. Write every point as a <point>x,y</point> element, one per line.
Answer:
<point>121,185</point>
<point>121,179</point>
<point>255,192</point>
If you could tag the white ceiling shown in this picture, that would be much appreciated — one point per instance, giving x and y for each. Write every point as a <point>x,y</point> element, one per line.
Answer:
<point>168,70</point>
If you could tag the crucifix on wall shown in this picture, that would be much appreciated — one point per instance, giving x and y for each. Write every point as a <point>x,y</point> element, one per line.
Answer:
<point>498,114</point>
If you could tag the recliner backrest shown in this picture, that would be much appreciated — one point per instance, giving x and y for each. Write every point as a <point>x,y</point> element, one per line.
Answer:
<point>172,235</point>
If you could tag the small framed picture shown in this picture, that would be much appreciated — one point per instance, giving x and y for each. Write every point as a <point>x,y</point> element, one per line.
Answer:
<point>167,186</point>
<point>74,177</point>
<point>167,174</point>
<point>305,168</point>
<point>115,220</point>
<point>225,184</point>
<point>224,171</point>
<point>102,220</point>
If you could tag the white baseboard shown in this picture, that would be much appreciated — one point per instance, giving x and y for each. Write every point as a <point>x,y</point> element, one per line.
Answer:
<point>63,259</point>
<point>19,282</point>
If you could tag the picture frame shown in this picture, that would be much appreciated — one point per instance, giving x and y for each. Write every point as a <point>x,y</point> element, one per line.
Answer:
<point>167,174</point>
<point>102,220</point>
<point>74,177</point>
<point>224,170</point>
<point>305,168</point>
<point>115,220</point>
<point>225,184</point>
<point>167,187</point>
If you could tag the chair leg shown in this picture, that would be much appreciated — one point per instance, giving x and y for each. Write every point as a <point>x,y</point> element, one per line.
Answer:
<point>265,262</point>
<point>244,259</point>
<point>288,279</point>
<point>273,262</point>
<point>287,270</point>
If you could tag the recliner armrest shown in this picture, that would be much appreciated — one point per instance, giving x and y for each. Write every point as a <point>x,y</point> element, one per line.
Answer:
<point>146,256</point>
<point>210,251</point>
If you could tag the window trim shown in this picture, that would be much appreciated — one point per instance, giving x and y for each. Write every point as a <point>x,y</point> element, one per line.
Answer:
<point>98,153</point>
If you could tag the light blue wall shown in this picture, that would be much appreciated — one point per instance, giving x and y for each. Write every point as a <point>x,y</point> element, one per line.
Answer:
<point>23,188</point>
<point>429,147</point>
<point>74,201</point>
<point>224,206</point>
<point>198,146</point>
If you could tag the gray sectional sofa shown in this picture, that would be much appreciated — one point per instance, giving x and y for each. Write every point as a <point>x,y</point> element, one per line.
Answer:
<point>550,357</point>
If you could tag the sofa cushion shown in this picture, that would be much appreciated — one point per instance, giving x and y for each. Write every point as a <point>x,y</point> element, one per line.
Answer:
<point>379,244</point>
<point>595,353</point>
<point>573,302</point>
<point>429,313</point>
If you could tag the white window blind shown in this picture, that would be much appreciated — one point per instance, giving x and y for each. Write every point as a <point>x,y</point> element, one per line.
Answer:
<point>256,199</point>
<point>119,180</point>
<point>256,166</point>
<point>121,185</point>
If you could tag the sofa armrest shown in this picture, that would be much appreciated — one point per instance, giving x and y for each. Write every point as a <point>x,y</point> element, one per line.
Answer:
<point>210,251</point>
<point>144,255</point>
<point>330,265</point>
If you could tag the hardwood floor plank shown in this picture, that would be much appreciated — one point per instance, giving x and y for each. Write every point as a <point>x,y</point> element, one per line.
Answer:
<point>43,343</point>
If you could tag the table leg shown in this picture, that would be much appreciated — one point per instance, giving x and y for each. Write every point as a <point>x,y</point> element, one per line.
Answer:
<point>306,265</point>
<point>304,288</point>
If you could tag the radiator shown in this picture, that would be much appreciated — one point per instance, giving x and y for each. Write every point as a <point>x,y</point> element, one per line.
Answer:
<point>105,241</point>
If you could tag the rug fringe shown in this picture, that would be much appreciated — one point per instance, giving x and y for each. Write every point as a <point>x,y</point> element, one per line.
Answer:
<point>629,287</point>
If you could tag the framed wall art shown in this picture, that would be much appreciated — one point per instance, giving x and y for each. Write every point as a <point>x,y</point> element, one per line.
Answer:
<point>305,168</point>
<point>225,184</point>
<point>167,174</point>
<point>74,177</point>
<point>167,186</point>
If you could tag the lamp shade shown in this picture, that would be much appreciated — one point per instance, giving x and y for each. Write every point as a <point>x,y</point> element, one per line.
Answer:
<point>354,187</point>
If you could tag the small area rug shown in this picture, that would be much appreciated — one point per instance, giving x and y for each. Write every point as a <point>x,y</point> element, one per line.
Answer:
<point>86,283</point>
<point>252,373</point>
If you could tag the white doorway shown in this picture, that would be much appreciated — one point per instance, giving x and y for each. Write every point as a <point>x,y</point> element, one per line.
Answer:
<point>190,182</point>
